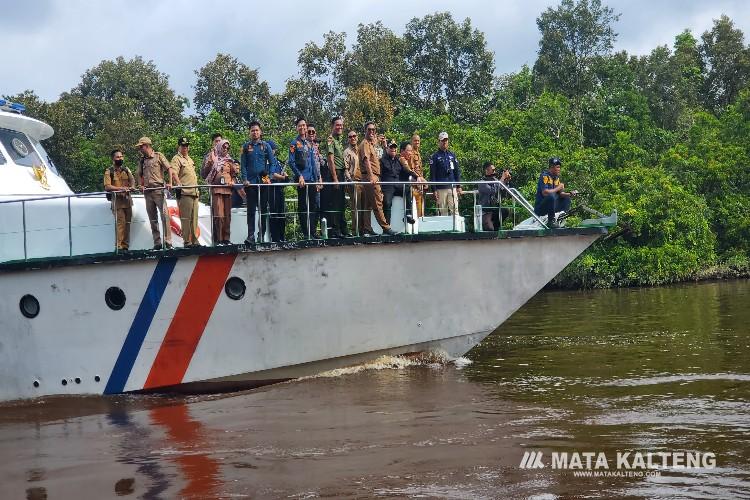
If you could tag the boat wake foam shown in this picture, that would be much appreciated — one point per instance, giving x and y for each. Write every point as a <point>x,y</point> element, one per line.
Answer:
<point>386,362</point>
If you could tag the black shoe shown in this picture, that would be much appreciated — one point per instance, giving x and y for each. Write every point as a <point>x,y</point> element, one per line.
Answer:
<point>347,235</point>
<point>389,232</point>
<point>168,246</point>
<point>157,247</point>
<point>250,241</point>
<point>226,242</point>
<point>410,220</point>
<point>553,224</point>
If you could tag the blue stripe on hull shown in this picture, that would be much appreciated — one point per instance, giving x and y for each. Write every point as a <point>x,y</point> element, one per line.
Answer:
<point>141,323</point>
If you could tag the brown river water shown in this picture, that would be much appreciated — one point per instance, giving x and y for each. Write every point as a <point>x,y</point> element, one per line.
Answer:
<point>615,371</point>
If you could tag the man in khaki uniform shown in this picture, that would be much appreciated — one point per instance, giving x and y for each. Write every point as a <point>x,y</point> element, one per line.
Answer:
<point>152,169</point>
<point>187,197</point>
<point>369,164</point>
<point>119,180</point>
<point>352,173</point>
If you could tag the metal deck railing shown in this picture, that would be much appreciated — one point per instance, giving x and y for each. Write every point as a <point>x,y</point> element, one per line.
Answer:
<point>80,224</point>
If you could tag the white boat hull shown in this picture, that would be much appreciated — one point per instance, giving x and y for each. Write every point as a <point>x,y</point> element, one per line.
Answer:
<point>304,310</point>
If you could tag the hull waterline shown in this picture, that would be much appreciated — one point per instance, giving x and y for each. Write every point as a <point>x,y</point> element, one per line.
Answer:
<point>304,310</point>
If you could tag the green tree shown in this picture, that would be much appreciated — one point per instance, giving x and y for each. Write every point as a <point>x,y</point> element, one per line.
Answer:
<point>316,92</point>
<point>235,91</point>
<point>450,61</point>
<point>123,90</point>
<point>573,36</point>
<point>726,61</point>
<point>378,59</point>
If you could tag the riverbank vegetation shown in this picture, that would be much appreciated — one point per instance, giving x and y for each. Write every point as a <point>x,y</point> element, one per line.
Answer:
<point>662,137</point>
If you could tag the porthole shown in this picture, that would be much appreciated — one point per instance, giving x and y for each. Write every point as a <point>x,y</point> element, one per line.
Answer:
<point>235,288</point>
<point>115,298</point>
<point>29,306</point>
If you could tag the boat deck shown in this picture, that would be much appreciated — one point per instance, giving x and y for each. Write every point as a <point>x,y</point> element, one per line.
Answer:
<point>138,255</point>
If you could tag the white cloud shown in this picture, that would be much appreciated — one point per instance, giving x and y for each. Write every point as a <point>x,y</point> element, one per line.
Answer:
<point>48,44</point>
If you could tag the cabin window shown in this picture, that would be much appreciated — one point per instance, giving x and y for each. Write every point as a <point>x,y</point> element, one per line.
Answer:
<point>43,152</point>
<point>18,146</point>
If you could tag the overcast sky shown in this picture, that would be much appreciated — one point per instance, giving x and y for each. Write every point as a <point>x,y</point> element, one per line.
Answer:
<point>48,44</point>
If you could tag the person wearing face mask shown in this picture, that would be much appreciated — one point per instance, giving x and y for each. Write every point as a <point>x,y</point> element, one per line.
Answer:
<point>119,181</point>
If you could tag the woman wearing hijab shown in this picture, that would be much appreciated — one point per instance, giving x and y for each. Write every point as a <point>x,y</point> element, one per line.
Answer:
<point>220,173</point>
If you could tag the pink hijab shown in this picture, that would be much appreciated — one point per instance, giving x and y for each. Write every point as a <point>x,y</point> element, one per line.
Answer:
<point>221,158</point>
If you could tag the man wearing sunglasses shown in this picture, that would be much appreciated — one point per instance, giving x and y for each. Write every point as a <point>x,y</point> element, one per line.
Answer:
<point>369,164</point>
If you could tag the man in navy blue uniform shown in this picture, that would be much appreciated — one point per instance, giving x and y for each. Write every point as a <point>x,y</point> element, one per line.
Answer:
<point>444,168</point>
<point>304,173</point>
<point>255,165</point>
<point>550,197</point>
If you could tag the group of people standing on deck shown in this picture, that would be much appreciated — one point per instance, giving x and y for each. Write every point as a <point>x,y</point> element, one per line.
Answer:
<point>381,169</point>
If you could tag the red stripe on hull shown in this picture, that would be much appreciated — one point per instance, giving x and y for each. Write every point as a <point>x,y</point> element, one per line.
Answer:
<point>190,320</point>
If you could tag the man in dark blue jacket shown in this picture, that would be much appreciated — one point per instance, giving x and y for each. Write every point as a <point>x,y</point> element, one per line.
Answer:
<point>444,168</point>
<point>255,166</point>
<point>304,172</point>
<point>550,197</point>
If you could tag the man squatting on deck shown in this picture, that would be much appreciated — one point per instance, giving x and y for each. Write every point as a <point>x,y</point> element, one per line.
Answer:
<point>550,197</point>
<point>373,160</point>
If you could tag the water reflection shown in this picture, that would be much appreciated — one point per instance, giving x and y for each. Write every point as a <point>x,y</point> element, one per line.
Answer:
<point>187,443</point>
<point>652,370</point>
<point>663,369</point>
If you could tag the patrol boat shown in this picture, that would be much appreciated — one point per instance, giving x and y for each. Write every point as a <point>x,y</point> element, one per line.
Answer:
<point>77,318</point>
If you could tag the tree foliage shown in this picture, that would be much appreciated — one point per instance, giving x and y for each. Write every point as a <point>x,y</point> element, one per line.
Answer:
<point>450,61</point>
<point>574,35</point>
<point>234,91</point>
<point>726,63</point>
<point>662,137</point>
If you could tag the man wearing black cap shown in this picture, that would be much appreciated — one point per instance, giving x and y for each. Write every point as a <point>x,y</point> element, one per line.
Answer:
<point>187,198</point>
<point>392,170</point>
<point>550,197</point>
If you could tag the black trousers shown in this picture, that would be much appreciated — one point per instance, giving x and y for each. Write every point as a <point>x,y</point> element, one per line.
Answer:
<point>391,190</point>
<point>332,204</point>
<point>257,200</point>
<point>551,204</point>
<point>278,213</point>
<point>491,218</point>
<point>307,203</point>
